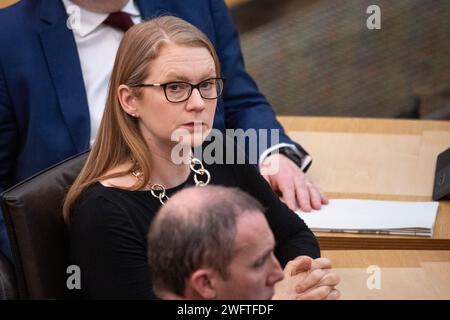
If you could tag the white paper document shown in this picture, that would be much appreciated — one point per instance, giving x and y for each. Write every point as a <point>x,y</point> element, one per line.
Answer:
<point>374,217</point>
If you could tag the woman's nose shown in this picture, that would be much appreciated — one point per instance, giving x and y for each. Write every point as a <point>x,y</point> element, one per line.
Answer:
<point>195,101</point>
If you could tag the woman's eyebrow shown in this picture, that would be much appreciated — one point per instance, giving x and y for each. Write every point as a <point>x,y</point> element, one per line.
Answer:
<point>175,77</point>
<point>172,76</point>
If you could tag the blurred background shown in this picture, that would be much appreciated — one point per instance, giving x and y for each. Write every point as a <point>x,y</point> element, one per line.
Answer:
<point>317,57</point>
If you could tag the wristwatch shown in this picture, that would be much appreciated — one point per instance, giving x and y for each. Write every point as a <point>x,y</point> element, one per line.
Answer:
<point>298,155</point>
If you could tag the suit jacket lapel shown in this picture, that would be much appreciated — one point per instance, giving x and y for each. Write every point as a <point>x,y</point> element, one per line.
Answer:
<point>63,62</point>
<point>150,9</point>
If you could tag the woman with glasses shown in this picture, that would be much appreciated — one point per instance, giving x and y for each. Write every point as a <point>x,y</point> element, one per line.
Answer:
<point>166,78</point>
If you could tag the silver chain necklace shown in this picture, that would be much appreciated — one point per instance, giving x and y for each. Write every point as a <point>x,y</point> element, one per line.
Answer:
<point>159,191</point>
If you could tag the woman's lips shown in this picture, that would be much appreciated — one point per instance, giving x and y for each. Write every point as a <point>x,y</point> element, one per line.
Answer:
<point>193,125</point>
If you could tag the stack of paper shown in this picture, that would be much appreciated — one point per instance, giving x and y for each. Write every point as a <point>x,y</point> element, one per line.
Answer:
<point>374,217</point>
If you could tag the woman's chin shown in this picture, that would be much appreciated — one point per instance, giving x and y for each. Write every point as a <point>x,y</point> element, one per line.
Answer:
<point>198,139</point>
<point>190,138</point>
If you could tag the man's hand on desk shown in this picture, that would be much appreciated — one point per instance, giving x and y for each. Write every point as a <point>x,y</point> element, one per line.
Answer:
<point>307,279</point>
<point>296,190</point>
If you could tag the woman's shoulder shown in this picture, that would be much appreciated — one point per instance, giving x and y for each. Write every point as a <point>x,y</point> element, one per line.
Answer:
<point>100,207</point>
<point>124,181</point>
<point>108,197</point>
<point>95,196</point>
<point>108,192</point>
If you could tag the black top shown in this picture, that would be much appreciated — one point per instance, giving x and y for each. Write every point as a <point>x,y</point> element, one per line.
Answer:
<point>109,226</point>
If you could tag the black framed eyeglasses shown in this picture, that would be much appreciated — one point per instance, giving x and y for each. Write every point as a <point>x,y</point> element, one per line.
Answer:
<point>180,91</point>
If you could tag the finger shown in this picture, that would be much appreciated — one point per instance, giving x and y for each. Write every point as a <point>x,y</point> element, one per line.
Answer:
<point>314,195</point>
<point>310,281</point>
<point>331,279</point>
<point>302,194</point>
<point>321,263</point>
<point>323,196</point>
<point>319,293</point>
<point>288,191</point>
<point>333,295</point>
<point>298,265</point>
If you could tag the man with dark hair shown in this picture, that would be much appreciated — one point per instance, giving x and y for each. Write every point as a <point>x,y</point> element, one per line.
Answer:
<point>215,243</point>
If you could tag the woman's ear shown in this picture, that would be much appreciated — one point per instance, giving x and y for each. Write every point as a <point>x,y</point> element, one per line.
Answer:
<point>202,284</point>
<point>127,100</point>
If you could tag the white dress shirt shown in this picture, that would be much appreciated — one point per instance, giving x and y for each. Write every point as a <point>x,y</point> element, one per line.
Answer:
<point>97,45</point>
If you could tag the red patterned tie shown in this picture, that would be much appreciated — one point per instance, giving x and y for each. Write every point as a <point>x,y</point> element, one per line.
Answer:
<point>119,20</point>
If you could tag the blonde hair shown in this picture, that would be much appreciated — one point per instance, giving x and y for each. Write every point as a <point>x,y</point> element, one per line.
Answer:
<point>119,139</point>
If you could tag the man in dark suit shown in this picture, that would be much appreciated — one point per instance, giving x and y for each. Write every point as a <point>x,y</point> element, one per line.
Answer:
<point>55,62</point>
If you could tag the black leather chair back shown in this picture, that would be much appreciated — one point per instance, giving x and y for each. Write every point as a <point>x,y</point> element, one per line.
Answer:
<point>37,232</point>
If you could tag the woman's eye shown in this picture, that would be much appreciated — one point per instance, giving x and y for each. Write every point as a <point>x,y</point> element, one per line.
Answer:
<point>175,87</point>
<point>207,84</point>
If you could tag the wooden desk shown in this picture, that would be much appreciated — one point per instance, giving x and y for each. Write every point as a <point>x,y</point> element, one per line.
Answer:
<point>411,274</point>
<point>380,159</point>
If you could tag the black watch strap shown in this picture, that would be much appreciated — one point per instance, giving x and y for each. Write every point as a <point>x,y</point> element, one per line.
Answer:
<point>300,157</point>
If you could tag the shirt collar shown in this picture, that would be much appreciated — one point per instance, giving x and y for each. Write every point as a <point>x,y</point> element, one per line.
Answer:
<point>89,20</point>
